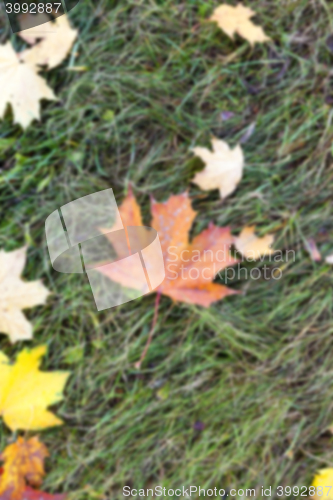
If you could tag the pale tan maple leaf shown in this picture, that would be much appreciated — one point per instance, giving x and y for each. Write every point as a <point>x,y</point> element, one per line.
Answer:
<point>252,247</point>
<point>16,294</point>
<point>238,20</point>
<point>329,259</point>
<point>57,40</point>
<point>21,87</point>
<point>224,167</point>
<point>37,21</point>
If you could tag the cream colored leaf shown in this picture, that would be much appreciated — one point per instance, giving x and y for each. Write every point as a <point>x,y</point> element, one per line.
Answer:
<point>57,40</point>
<point>252,247</point>
<point>237,20</point>
<point>224,167</point>
<point>21,87</point>
<point>16,294</point>
<point>329,259</point>
<point>38,21</point>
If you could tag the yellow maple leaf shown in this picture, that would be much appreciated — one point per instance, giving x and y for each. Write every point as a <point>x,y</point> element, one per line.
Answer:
<point>252,247</point>
<point>57,40</point>
<point>323,479</point>
<point>26,392</point>
<point>237,20</point>
<point>224,167</point>
<point>16,295</point>
<point>21,87</point>
<point>23,463</point>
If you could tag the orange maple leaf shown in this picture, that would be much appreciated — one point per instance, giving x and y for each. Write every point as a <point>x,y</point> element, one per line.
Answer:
<point>190,267</point>
<point>23,462</point>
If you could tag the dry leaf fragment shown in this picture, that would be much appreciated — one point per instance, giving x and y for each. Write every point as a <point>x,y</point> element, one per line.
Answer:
<point>329,259</point>
<point>16,295</point>
<point>190,266</point>
<point>312,248</point>
<point>237,20</point>
<point>24,463</point>
<point>323,479</point>
<point>78,69</point>
<point>224,167</point>
<point>26,392</point>
<point>252,247</point>
<point>57,40</point>
<point>21,87</point>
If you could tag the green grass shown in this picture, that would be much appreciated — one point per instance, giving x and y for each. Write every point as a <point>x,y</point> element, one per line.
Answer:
<point>257,368</point>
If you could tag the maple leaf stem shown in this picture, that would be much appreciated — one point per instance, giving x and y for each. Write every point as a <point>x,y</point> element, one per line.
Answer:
<point>151,333</point>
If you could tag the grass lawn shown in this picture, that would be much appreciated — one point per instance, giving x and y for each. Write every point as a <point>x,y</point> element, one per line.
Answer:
<point>235,396</point>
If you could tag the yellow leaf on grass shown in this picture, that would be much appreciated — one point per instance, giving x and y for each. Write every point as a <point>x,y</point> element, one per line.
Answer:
<point>26,392</point>
<point>16,295</point>
<point>21,87</point>
<point>57,40</point>
<point>224,167</point>
<point>323,479</point>
<point>252,247</point>
<point>238,20</point>
<point>23,463</point>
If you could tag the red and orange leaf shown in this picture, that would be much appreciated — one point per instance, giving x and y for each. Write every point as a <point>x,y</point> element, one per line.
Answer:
<point>190,266</point>
<point>173,220</point>
<point>130,212</point>
<point>31,494</point>
<point>23,463</point>
<point>130,215</point>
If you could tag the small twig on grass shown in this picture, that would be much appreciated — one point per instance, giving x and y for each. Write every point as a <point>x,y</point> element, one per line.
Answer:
<point>151,333</point>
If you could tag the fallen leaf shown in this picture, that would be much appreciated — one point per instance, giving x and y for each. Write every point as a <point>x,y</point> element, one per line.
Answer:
<point>21,87</point>
<point>49,51</point>
<point>290,454</point>
<point>323,479</point>
<point>237,20</point>
<point>16,295</point>
<point>248,133</point>
<point>24,463</point>
<point>34,23</point>
<point>190,266</point>
<point>224,167</point>
<point>312,248</point>
<point>31,494</point>
<point>26,392</point>
<point>252,247</point>
<point>329,259</point>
